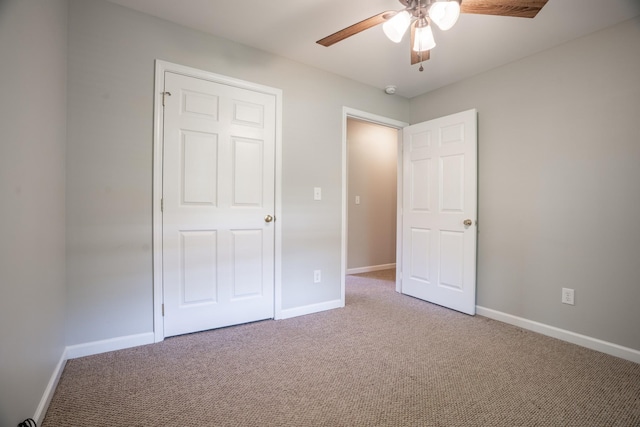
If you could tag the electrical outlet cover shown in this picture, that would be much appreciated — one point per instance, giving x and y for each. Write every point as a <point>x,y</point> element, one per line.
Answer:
<point>568,296</point>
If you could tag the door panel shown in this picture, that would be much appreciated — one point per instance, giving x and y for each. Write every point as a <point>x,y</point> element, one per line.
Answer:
<point>452,183</point>
<point>198,249</point>
<point>247,172</point>
<point>199,168</point>
<point>440,188</point>
<point>420,254</point>
<point>247,263</point>
<point>218,185</point>
<point>420,194</point>
<point>451,259</point>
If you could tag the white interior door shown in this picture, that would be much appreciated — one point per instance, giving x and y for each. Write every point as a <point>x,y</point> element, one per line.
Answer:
<point>218,193</point>
<point>439,211</point>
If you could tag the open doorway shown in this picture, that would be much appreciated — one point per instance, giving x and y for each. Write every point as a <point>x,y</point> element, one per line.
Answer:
<point>393,126</point>
<point>372,168</point>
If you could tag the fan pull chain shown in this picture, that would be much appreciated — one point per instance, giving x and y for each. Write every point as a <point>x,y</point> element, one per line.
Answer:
<point>421,69</point>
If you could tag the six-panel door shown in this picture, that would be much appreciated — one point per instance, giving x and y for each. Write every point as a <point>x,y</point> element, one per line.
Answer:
<point>439,195</point>
<point>218,187</point>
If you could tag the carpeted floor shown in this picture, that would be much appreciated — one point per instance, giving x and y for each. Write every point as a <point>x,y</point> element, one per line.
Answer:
<point>383,360</point>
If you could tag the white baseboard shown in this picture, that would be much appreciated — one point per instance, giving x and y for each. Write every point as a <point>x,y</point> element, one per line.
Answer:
<point>41,410</point>
<point>309,309</point>
<point>81,350</point>
<point>371,268</point>
<point>97,347</point>
<point>562,334</point>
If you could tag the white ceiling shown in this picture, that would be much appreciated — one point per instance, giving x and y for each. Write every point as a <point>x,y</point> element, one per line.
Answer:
<point>477,43</point>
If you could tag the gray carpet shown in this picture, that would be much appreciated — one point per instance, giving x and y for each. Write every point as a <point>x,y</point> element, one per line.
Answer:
<point>383,360</point>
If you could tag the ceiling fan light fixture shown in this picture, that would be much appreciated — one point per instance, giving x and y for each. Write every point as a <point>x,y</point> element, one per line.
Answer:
<point>445,13</point>
<point>424,37</point>
<point>395,27</point>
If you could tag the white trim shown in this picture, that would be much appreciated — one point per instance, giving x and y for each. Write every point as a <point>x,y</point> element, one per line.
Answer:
<point>343,226</point>
<point>562,334</point>
<point>384,121</point>
<point>161,68</point>
<point>277,271</point>
<point>371,268</point>
<point>373,118</point>
<point>81,350</point>
<point>112,344</point>
<point>156,215</point>
<point>310,309</point>
<point>399,213</point>
<point>41,410</point>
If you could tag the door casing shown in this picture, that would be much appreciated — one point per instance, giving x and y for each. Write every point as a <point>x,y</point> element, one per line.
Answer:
<point>160,68</point>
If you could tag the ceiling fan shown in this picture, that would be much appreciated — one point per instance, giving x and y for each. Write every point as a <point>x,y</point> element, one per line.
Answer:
<point>418,14</point>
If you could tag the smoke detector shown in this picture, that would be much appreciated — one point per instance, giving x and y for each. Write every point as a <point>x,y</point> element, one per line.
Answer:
<point>390,90</point>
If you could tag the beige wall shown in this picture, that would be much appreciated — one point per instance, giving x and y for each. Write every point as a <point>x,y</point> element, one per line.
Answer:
<point>33,48</point>
<point>559,182</point>
<point>372,152</point>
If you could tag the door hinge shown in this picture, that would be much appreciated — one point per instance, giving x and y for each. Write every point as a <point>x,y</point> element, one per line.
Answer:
<point>164,96</point>
<point>163,309</point>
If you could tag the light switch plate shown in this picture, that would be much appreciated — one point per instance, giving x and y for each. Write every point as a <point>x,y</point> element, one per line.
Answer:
<point>317,193</point>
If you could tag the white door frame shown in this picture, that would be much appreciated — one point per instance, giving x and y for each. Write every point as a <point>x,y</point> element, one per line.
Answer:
<point>384,121</point>
<point>161,67</point>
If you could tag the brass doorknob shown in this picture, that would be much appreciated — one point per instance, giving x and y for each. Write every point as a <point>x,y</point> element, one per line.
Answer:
<point>467,223</point>
<point>268,218</point>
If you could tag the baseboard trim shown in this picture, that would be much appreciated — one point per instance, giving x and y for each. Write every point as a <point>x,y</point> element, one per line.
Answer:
<point>562,334</point>
<point>371,268</point>
<point>112,344</point>
<point>81,350</point>
<point>309,309</point>
<point>41,410</point>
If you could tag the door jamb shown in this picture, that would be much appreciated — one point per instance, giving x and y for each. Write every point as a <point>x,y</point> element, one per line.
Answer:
<point>384,121</point>
<point>160,68</point>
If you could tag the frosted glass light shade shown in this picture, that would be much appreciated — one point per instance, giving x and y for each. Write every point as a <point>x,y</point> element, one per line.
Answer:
<point>445,13</point>
<point>423,39</point>
<point>395,27</point>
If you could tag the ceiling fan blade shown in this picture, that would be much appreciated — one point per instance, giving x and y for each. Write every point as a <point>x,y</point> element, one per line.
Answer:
<point>417,56</point>
<point>356,28</point>
<point>517,8</point>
